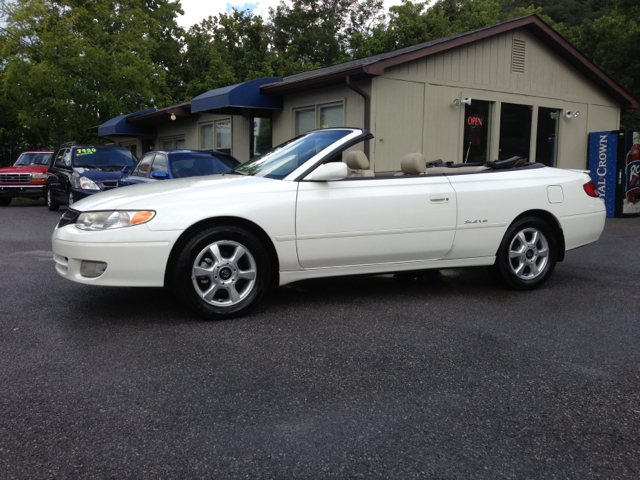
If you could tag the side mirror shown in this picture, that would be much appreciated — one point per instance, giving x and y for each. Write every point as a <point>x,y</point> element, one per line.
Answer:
<point>329,171</point>
<point>62,165</point>
<point>160,175</point>
<point>126,168</point>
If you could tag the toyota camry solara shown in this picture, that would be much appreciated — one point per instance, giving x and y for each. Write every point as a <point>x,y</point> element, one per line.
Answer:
<point>312,207</point>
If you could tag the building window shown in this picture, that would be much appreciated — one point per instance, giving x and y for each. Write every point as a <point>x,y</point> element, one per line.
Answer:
<point>477,125</point>
<point>515,131</point>
<point>332,116</point>
<point>206,136</point>
<point>132,147</point>
<point>173,144</point>
<point>547,136</point>
<point>305,120</point>
<point>223,136</point>
<point>260,136</point>
<point>318,116</point>
<point>216,136</point>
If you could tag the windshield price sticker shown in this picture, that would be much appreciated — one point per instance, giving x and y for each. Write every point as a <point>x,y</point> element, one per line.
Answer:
<point>85,151</point>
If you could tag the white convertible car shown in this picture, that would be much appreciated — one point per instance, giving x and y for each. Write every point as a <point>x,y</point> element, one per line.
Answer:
<point>299,211</point>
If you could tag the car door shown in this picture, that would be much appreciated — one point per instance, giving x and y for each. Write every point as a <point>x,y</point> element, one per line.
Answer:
<point>358,221</point>
<point>60,180</point>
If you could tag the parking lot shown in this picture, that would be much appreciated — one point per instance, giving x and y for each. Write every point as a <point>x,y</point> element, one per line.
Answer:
<point>448,376</point>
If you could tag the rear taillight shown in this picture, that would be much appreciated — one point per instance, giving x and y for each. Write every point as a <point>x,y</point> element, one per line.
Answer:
<point>591,189</point>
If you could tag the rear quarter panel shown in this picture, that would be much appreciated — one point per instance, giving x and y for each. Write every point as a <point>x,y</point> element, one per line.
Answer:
<point>489,202</point>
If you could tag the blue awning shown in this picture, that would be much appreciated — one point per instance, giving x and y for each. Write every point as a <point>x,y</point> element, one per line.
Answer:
<point>242,95</point>
<point>119,126</point>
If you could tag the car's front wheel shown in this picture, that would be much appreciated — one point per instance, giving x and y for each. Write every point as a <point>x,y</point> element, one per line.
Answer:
<point>222,272</point>
<point>527,255</point>
<point>52,205</point>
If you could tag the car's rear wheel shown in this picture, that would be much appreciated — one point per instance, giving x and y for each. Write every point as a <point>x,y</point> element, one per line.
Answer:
<point>5,201</point>
<point>52,205</point>
<point>222,272</point>
<point>527,255</point>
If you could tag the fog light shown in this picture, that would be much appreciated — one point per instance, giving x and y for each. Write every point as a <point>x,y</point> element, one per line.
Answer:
<point>92,269</point>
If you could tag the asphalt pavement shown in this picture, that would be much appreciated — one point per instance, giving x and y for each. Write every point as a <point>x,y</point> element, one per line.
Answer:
<point>450,376</point>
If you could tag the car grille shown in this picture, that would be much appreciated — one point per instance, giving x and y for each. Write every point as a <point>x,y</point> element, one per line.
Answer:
<point>15,178</point>
<point>110,184</point>
<point>70,216</point>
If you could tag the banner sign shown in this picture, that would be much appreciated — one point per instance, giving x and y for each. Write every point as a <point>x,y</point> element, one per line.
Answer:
<point>603,149</point>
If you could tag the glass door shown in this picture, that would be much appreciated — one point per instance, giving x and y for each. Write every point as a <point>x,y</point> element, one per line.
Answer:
<point>547,136</point>
<point>477,125</point>
<point>515,131</point>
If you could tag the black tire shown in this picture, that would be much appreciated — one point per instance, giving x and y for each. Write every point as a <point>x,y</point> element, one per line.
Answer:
<point>5,201</point>
<point>224,273</point>
<point>525,262</point>
<point>52,205</point>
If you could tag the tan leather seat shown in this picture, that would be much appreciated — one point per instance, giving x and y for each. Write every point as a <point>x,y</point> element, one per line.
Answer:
<point>358,165</point>
<point>413,164</point>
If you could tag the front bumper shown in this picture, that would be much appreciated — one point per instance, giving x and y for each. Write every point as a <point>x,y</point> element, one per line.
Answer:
<point>135,256</point>
<point>27,191</point>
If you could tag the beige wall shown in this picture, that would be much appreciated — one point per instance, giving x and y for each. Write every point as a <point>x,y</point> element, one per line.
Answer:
<point>190,131</point>
<point>283,122</point>
<point>482,71</point>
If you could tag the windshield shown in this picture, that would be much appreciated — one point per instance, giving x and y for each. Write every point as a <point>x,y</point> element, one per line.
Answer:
<point>197,164</point>
<point>99,157</point>
<point>284,159</point>
<point>34,158</point>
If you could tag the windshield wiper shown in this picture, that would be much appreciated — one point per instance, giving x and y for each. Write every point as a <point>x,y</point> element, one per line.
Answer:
<point>237,172</point>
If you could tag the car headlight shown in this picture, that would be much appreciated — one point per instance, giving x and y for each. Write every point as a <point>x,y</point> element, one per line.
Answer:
<point>110,220</point>
<point>88,184</point>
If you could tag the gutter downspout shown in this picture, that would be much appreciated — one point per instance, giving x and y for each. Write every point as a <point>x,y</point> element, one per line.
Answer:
<point>367,111</point>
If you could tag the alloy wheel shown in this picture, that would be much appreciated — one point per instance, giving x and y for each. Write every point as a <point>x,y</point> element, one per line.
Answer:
<point>224,273</point>
<point>528,253</point>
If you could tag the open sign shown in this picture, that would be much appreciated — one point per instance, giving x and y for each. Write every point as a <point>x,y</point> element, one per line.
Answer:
<point>475,120</point>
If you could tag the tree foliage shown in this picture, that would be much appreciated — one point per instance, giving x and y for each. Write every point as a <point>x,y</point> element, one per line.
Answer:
<point>72,64</point>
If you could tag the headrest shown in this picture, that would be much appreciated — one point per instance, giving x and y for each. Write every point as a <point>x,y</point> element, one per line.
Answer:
<point>357,160</point>
<point>413,164</point>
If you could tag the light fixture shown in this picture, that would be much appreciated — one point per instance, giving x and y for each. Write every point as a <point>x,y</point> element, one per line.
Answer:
<point>173,116</point>
<point>570,114</point>
<point>457,102</point>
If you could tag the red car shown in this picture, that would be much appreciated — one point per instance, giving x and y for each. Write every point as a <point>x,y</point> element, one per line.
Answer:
<point>27,178</point>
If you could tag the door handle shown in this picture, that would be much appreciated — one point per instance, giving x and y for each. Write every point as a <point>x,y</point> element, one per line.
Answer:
<point>439,198</point>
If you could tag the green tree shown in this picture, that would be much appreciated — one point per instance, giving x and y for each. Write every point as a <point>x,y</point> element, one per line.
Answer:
<point>72,64</point>
<point>309,34</point>
<point>611,42</point>
<point>224,50</point>
<point>411,23</point>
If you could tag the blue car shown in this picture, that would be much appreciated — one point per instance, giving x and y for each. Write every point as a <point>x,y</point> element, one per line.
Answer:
<point>164,165</point>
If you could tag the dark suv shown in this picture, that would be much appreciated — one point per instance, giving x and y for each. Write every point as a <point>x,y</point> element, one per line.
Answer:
<point>77,171</point>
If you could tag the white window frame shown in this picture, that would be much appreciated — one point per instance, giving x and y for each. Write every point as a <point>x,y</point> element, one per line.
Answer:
<point>317,107</point>
<point>212,123</point>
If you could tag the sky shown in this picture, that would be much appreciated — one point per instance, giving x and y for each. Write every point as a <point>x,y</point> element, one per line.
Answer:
<point>197,10</point>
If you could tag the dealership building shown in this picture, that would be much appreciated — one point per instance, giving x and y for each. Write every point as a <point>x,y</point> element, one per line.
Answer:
<point>515,88</point>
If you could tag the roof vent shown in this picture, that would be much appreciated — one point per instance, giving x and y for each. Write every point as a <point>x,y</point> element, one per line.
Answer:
<point>517,56</point>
